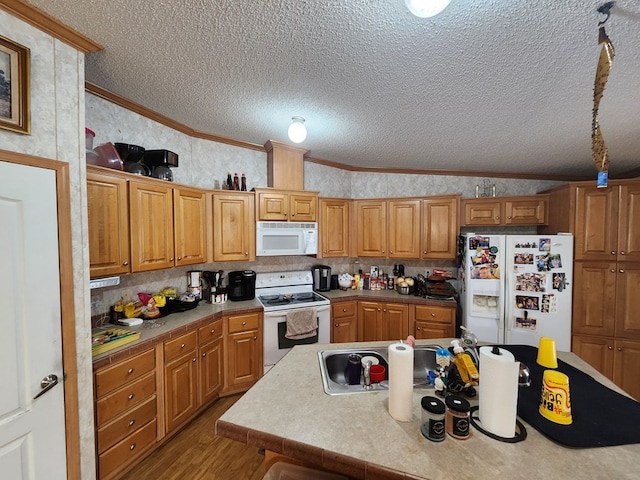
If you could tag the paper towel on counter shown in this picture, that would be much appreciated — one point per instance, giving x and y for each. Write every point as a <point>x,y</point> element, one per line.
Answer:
<point>498,400</point>
<point>401,381</point>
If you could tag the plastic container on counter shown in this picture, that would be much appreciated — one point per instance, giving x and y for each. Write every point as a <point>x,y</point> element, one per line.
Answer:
<point>433,418</point>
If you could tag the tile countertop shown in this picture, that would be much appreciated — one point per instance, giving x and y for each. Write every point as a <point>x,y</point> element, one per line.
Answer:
<point>287,412</point>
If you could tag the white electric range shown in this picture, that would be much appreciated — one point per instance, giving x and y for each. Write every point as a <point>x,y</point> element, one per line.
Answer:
<point>279,293</point>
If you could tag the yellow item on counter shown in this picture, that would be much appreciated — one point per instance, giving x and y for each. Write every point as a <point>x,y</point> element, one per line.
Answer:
<point>133,310</point>
<point>160,300</point>
<point>169,292</point>
<point>118,306</point>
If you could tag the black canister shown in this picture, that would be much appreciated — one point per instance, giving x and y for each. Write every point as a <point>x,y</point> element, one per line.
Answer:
<point>432,418</point>
<point>354,369</point>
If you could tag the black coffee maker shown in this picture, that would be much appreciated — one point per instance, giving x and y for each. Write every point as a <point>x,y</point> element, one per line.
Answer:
<point>321,278</point>
<point>211,284</point>
<point>242,285</point>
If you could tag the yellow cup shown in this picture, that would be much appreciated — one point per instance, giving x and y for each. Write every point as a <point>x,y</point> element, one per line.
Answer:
<point>555,403</point>
<point>547,353</point>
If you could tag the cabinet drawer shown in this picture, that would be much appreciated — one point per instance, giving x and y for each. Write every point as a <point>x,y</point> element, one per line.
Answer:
<point>343,309</point>
<point>128,396</point>
<point>179,346</point>
<point>210,332</point>
<point>126,450</point>
<point>243,323</point>
<point>116,376</point>
<point>126,424</point>
<point>435,314</point>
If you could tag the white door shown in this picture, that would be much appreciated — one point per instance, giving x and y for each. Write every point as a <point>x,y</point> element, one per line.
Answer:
<point>32,430</point>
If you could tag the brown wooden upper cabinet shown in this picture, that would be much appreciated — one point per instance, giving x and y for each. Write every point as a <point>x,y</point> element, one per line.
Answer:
<point>335,227</point>
<point>440,226</point>
<point>234,232</point>
<point>519,210</point>
<point>286,205</point>
<point>108,214</point>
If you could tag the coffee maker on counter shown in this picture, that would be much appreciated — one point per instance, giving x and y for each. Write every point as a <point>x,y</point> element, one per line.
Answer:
<point>194,283</point>
<point>321,278</point>
<point>212,286</point>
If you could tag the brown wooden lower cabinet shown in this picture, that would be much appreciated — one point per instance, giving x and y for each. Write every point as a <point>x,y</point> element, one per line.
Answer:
<point>382,321</point>
<point>432,321</point>
<point>243,351</point>
<point>344,322</point>
<point>618,360</point>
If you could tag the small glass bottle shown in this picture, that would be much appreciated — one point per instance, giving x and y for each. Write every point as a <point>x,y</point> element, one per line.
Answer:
<point>243,183</point>
<point>229,181</point>
<point>236,182</point>
<point>457,417</point>
<point>433,423</point>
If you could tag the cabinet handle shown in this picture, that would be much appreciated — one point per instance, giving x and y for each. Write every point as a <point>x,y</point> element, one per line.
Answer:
<point>344,310</point>
<point>390,251</point>
<point>244,323</point>
<point>179,258</point>
<point>195,359</point>
<point>610,347</point>
<point>131,396</point>
<point>130,371</point>
<point>171,259</point>
<point>133,445</point>
<point>621,270</point>
<point>337,326</point>
<point>255,338</point>
<point>622,253</point>
<point>213,330</point>
<point>383,251</point>
<point>131,422</point>
<point>619,349</point>
<point>204,354</point>
<point>613,270</point>
<point>497,218</point>
<point>418,328</point>
<point>613,252</point>
<point>293,214</point>
<point>384,309</point>
<point>125,263</point>
<point>286,213</point>
<point>433,314</point>
<point>246,254</point>
<point>509,217</point>
<point>182,346</point>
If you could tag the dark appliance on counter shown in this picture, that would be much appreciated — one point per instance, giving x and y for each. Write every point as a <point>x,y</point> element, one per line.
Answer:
<point>160,161</point>
<point>321,278</point>
<point>334,282</point>
<point>211,284</point>
<point>242,285</point>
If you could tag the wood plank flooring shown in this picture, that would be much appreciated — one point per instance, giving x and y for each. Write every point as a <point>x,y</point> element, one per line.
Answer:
<point>197,453</point>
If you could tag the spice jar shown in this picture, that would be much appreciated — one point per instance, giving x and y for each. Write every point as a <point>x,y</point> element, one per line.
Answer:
<point>457,417</point>
<point>432,418</point>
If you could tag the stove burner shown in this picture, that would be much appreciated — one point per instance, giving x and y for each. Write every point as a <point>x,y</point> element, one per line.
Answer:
<point>305,296</point>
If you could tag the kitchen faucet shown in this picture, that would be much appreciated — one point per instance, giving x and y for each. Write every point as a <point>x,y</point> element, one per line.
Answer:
<point>367,375</point>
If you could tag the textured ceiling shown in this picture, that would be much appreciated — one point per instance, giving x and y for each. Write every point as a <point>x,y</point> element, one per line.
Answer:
<point>488,85</point>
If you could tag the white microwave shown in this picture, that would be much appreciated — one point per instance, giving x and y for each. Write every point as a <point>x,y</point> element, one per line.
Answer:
<point>286,238</point>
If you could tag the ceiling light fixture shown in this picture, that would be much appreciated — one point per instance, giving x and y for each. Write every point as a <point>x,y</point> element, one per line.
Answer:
<point>426,8</point>
<point>297,130</point>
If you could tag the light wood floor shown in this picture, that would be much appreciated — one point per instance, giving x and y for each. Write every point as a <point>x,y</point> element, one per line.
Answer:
<point>197,453</point>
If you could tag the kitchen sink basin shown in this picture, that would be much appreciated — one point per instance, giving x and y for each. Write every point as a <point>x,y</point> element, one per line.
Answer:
<point>333,364</point>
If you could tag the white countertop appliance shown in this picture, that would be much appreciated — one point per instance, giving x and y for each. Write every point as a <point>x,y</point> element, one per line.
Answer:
<point>281,293</point>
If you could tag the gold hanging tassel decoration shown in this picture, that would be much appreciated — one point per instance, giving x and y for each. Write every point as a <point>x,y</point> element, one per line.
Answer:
<point>607,54</point>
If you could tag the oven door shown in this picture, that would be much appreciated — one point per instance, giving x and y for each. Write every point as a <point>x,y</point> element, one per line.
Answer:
<point>276,345</point>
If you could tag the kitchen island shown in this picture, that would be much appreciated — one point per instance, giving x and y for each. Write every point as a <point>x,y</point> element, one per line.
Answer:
<point>287,412</point>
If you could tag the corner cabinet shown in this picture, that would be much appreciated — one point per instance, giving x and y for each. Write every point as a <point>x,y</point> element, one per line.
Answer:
<point>243,351</point>
<point>286,205</point>
<point>520,210</point>
<point>108,218</point>
<point>234,230</point>
<point>334,225</point>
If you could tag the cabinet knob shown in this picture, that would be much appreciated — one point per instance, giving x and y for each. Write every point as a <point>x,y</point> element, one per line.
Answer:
<point>383,251</point>
<point>390,251</point>
<point>133,445</point>
<point>293,214</point>
<point>384,309</point>
<point>255,338</point>
<point>497,218</point>
<point>244,323</point>
<point>285,213</point>
<point>509,217</point>
<point>425,252</point>
<point>131,395</point>
<point>610,347</point>
<point>182,346</point>
<point>213,330</point>
<point>344,310</point>
<point>130,371</point>
<point>613,270</point>
<point>246,254</point>
<point>204,354</point>
<point>171,259</point>
<point>622,253</point>
<point>195,359</point>
<point>433,314</point>
<point>418,328</point>
<point>619,349</point>
<point>131,422</point>
<point>621,270</point>
<point>125,263</point>
<point>179,258</point>
<point>613,252</point>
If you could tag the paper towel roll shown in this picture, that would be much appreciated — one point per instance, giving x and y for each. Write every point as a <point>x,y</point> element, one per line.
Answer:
<point>498,391</point>
<point>401,381</point>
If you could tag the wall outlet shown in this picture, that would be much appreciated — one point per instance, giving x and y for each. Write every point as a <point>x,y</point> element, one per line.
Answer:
<point>126,295</point>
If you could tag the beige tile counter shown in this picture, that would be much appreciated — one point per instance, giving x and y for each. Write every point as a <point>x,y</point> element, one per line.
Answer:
<point>288,412</point>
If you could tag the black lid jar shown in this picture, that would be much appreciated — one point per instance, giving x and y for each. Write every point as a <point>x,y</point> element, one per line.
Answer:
<point>433,419</point>
<point>457,417</point>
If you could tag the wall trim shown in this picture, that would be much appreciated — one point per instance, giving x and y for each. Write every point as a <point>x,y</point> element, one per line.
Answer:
<point>45,22</point>
<point>67,309</point>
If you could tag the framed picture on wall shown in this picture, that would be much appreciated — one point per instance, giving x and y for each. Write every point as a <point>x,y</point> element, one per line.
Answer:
<point>14,86</point>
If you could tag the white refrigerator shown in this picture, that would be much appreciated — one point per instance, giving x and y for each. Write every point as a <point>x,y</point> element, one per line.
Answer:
<point>517,288</point>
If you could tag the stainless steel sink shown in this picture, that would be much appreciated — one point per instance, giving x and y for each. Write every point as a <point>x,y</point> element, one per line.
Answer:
<point>333,364</point>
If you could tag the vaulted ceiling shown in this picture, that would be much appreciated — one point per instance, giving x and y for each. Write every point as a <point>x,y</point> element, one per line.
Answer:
<point>486,86</point>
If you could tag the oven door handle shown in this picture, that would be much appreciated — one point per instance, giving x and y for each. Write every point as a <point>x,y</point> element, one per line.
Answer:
<point>280,313</point>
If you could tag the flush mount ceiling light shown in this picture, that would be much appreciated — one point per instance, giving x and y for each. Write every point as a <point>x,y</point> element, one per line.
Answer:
<point>297,130</point>
<point>426,8</point>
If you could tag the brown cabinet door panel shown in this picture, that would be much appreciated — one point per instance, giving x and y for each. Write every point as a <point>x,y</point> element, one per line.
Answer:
<point>180,381</point>
<point>334,228</point>
<point>369,314</point>
<point>404,229</point>
<point>629,226</point>
<point>190,226</point>
<point>596,223</point>
<point>596,351</point>
<point>371,228</point>
<point>594,298</point>
<point>627,311</point>
<point>233,227</point>
<point>210,378</point>
<point>627,366</point>
<point>440,227</point>
<point>395,322</point>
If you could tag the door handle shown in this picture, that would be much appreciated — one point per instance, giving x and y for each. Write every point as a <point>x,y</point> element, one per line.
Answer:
<point>46,384</point>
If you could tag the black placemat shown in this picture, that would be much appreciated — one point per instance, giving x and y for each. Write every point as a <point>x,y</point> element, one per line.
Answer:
<point>601,416</point>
